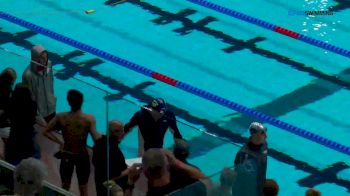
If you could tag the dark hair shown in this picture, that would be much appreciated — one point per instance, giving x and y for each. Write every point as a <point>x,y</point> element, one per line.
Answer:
<point>271,188</point>
<point>7,78</point>
<point>181,150</point>
<point>75,99</point>
<point>22,95</point>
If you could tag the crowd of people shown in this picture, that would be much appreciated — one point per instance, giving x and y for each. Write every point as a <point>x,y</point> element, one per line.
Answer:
<point>33,102</point>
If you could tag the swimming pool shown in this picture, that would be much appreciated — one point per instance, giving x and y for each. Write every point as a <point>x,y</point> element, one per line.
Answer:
<point>293,81</point>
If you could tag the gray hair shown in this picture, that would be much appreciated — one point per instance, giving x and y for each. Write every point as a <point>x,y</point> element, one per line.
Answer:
<point>154,162</point>
<point>28,176</point>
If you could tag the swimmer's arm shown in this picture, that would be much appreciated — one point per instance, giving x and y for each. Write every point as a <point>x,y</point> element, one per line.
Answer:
<point>173,127</point>
<point>132,123</point>
<point>52,127</point>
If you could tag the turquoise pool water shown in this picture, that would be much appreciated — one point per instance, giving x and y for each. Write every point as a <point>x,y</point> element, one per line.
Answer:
<point>282,77</point>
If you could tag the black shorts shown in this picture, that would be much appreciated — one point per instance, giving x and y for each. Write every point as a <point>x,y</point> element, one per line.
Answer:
<point>82,164</point>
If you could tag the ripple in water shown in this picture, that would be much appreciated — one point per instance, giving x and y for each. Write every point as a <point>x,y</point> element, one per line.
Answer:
<point>312,26</point>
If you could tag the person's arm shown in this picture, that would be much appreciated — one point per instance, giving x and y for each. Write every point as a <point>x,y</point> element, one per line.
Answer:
<point>50,72</point>
<point>122,174</point>
<point>52,127</point>
<point>111,184</point>
<point>116,190</point>
<point>191,171</point>
<point>94,133</point>
<point>134,121</point>
<point>119,162</point>
<point>173,125</point>
<point>133,175</point>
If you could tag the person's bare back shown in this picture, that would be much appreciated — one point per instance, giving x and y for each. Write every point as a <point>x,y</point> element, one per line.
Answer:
<point>75,127</point>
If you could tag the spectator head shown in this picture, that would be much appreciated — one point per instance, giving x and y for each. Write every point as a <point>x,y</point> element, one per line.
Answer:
<point>312,192</point>
<point>258,133</point>
<point>75,99</point>
<point>271,188</point>
<point>116,129</point>
<point>227,177</point>
<point>39,58</point>
<point>155,164</point>
<point>181,150</point>
<point>8,77</point>
<point>22,94</point>
<point>159,105</point>
<point>28,177</point>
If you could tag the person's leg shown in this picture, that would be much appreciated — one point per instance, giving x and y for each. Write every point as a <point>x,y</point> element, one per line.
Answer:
<point>66,171</point>
<point>82,163</point>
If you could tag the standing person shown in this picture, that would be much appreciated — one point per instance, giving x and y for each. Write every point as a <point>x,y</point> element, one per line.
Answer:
<point>251,162</point>
<point>75,126</point>
<point>116,158</point>
<point>39,77</point>
<point>153,121</point>
<point>7,79</point>
<point>22,112</point>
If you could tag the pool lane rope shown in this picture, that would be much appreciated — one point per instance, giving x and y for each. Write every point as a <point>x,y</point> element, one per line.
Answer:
<point>272,27</point>
<point>181,85</point>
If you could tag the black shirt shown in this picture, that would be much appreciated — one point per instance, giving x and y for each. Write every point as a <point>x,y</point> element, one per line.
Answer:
<point>179,179</point>
<point>116,160</point>
<point>4,106</point>
<point>152,131</point>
